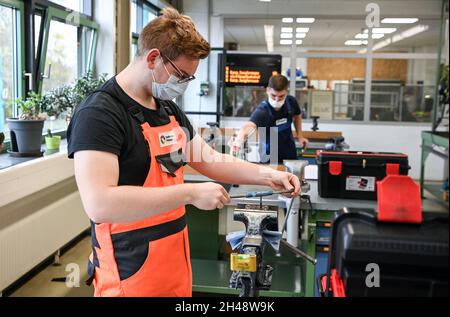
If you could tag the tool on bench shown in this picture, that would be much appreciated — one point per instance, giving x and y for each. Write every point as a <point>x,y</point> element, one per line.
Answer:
<point>262,194</point>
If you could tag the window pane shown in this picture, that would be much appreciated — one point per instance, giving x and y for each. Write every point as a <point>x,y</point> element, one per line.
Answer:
<point>403,90</point>
<point>340,75</point>
<point>149,14</point>
<point>37,27</point>
<point>242,101</point>
<point>62,54</point>
<point>133,17</point>
<point>86,47</point>
<point>134,49</point>
<point>7,65</point>
<point>71,4</point>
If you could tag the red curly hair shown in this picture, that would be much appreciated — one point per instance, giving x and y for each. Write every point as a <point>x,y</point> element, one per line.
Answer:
<point>174,34</point>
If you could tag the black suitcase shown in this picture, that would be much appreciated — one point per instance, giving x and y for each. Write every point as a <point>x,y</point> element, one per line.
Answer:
<point>354,175</point>
<point>397,251</point>
<point>412,260</point>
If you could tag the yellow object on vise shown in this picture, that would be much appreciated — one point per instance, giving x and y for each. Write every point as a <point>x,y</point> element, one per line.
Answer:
<point>243,262</point>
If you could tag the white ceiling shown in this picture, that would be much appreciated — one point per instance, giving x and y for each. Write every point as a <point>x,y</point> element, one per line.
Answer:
<point>333,26</point>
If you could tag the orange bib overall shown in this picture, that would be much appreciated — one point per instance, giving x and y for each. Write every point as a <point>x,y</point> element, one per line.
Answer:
<point>148,257</point>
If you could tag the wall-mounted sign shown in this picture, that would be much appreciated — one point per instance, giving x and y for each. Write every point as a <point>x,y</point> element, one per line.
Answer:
<point>251,69</point>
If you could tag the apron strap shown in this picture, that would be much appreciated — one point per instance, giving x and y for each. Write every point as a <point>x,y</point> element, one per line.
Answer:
<point>134,110</point>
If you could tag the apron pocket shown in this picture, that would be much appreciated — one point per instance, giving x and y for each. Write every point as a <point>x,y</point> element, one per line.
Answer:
<point>171,162</point>
<point>130,259</point>
<point>132,248</point>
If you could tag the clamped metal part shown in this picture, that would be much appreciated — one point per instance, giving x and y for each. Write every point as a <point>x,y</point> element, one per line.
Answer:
<point>296,167</point>
<point>253,274</point>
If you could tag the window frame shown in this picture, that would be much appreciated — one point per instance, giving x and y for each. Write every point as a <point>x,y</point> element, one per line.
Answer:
<point>29,61</point>
<point>140,17</point>
<point>18,46</point>
<point>55,14</point>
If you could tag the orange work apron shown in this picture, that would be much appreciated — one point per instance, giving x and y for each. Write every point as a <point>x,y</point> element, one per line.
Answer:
<point>149,257</point>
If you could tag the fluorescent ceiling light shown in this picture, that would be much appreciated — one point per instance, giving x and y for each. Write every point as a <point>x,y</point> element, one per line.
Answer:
<point>366,36</point>
<point>382,44</point>
<point>384,30</point>
<point>399,20</point>
<point>377,36</point>
<point>300,35</point>
<point>306,20</point>
<point>286,42</point>
<point>287,20</point>
<point>286,35</point>
<point>302,30</point>
<point>409,32</point>
<point>287,30</point>
<point>265,0</point>
<point>381,30</point>
<point>354,42</point>
<point>298,42</point>
<point>403,35</point>
<point>268,33</point>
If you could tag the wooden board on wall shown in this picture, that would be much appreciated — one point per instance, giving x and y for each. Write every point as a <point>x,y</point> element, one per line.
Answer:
<point>396,69</point>
<point>335,69</point>
<point>349,68</point>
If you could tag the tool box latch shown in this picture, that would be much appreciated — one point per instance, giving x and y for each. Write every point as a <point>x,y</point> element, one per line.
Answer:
<point>335,168</point>
<point>392,169</point>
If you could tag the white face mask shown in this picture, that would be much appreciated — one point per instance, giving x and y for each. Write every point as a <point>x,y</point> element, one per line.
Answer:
<point>276,104</point>
<point>168,90</point>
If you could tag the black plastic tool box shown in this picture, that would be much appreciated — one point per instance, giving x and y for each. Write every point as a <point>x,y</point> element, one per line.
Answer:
<point>354,175</point>
<point>412,258</point>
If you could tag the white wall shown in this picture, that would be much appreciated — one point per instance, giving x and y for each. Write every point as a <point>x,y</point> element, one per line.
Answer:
<point>105,59</point>
<point>211,28</point>
<point>30,232</point>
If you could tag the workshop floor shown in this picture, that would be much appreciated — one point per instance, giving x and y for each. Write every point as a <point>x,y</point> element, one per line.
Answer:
<point>41,285</point>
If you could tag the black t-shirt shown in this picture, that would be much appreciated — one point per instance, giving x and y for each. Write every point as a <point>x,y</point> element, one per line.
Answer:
<point>261,118</point>
<point>102,123</point>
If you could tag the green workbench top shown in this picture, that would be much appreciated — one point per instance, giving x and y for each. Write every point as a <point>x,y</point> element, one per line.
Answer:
<point>210,276</point>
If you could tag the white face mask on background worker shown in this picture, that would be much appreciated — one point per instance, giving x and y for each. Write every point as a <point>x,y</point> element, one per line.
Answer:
<point>276,98</point>
<point>276,104</point>
<point>170,89</point>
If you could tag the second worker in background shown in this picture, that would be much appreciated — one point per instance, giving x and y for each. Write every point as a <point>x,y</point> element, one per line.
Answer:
<point>275,116</point>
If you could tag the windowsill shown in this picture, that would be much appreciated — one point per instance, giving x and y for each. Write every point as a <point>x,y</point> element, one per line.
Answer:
<point>7,161</point>
<point>21,177</point>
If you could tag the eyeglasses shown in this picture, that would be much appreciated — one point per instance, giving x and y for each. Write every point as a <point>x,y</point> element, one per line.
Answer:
<point>183,77</point>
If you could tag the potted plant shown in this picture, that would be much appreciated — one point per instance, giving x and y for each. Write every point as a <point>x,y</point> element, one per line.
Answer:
<point>52,142</point>
<point>85,86</point>
<point>26,131</point>
<point>64,99</point>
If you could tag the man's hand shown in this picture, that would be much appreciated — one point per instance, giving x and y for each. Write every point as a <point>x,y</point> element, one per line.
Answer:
<point>304,142</point>
<point>209,196</point>
<point>285,181</point>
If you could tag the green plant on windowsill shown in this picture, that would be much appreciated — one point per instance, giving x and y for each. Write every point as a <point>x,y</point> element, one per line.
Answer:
<point>30,108</point>
<point>85,86</point>
<point>26,130</point>
<point>66,98</point>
